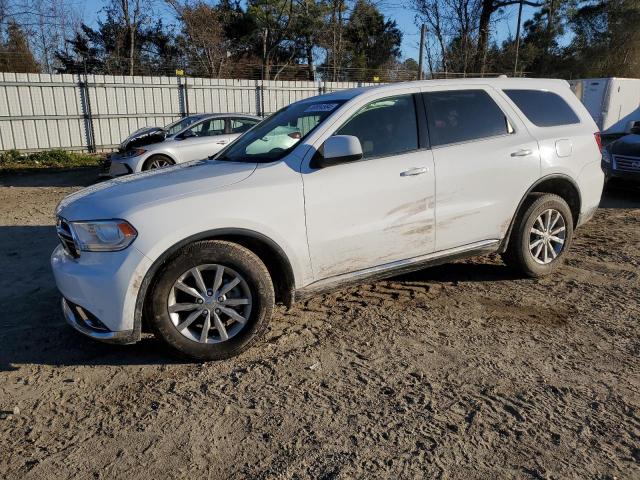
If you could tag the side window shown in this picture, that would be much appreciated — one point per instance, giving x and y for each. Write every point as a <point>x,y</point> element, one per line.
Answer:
<point>384,127</point>
<point>543,109</point>
<point>209,128</point>
<point>307,123</point>
<point>462,115</point>
<point>241,125</point>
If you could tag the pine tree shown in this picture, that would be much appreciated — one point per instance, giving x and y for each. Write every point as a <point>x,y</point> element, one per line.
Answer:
<point>15,54</point>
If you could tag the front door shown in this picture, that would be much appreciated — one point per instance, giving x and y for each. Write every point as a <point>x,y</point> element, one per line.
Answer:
<point>377,210</point>
<point>205,138</point>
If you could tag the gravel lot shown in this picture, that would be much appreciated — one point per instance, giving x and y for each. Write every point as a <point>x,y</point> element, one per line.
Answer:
<point>461,371</point>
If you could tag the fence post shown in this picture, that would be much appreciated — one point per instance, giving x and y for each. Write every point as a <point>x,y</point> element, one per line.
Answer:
<point>186,96</point>
<point>260,98</point>
<point>322,87</point>
<point>85,103</point>
<point>183,97</point>
<point>262,88</point>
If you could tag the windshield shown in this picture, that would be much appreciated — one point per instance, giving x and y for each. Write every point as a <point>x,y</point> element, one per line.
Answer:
<point>180,125</point>
<point>280,133</point>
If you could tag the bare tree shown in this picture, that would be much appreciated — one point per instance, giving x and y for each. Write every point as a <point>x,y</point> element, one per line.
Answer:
<point>332,39</point>
<point>452,24</point>
<point>273,19</point>
<point>47,24</point>
<point>131,15</point>
<point>489,8</point>
<point>204,30</point>
<point>54,22</point>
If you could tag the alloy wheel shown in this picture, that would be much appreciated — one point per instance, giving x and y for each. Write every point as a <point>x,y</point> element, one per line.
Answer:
<point>159,163</point>
<point>547,236</point>
<point>210,303</point>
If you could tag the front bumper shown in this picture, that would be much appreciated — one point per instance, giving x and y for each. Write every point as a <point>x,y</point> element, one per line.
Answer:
<point>115,166</point>
<point>613,170</point>
<point>82,321</point>
<point>105,286</point>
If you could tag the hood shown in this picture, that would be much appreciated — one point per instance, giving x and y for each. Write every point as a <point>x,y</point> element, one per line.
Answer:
<point>117,197</point>
<point>141,137</point>
<point>627,145</point>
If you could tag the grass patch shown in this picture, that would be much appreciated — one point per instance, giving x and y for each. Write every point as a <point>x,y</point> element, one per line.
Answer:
<point>14,160</point>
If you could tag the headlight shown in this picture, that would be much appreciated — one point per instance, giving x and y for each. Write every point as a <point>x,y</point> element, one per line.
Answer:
<point>103,235</point>
<point>133,153</point>
<point>606,156</point>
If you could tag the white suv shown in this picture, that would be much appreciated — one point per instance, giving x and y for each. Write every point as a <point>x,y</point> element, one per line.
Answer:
<point>330,190</point>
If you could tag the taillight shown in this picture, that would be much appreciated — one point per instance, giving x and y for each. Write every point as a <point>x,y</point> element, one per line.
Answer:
<point>295,135</point>
<point>598,140</point>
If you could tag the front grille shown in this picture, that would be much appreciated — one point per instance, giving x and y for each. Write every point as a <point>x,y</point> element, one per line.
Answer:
<point>626,164</point>
<point>66,238</point>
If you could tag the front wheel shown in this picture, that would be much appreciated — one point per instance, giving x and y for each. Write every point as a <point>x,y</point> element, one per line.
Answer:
<point>541,236</point>
<point>212,301</point>
<point>157,161</point>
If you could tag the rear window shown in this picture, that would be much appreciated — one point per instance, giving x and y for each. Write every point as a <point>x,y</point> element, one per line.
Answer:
<point>463,115</point>
<point>543,109</point>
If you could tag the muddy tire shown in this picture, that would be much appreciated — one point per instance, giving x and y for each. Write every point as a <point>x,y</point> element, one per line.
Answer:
<point>212,301</point>
<point>541,235</point>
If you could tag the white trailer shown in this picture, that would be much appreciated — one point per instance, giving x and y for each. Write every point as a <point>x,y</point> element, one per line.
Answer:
<point>614,103</point>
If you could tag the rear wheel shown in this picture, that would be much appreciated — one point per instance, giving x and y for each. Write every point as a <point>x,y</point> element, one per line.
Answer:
<point>212,301</point>
<point>157,161</point>
<point>541,235</point>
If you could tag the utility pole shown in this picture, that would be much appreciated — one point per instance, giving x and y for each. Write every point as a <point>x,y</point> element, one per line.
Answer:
<point>515,63</point>
<point>423,31</point>
<point>265,70</point>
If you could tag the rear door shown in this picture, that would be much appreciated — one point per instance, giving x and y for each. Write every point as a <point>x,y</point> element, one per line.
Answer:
<point>236,126</point>
<point>485,160</point>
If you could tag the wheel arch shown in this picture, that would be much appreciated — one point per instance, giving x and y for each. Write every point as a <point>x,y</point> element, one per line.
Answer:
<point>273,256</point>
<point>558,184</point>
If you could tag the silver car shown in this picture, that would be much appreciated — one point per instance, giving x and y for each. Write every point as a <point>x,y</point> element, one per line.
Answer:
<point>191,138</point>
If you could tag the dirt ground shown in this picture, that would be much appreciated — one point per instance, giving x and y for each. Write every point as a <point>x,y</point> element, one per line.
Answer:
<point>462,371</point>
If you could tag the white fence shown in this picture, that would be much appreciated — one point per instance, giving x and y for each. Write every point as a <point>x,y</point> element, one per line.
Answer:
<point>96,112</point>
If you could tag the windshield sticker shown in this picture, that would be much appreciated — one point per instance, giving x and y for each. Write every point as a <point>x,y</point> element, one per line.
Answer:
<point>321,107</point>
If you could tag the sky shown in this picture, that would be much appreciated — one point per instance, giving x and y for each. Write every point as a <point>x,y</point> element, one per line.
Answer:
<point>398,10</point>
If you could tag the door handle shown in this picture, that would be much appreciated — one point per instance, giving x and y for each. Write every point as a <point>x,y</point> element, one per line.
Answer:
<point>525,152</point>
<point>414,171</point>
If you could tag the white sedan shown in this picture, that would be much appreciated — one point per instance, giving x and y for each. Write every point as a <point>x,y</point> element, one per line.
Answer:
<point>192,138</point>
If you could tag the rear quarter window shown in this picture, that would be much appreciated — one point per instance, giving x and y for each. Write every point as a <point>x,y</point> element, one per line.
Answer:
<point>542,108</point>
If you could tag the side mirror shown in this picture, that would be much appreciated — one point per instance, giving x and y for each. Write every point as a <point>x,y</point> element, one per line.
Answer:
<point>187,134</point>
<point>634,127</point>
<point>338,149</point>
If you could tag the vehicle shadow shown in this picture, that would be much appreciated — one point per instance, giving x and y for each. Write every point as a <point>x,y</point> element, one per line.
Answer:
<point>460,272</point>
<point>32,326</point>
<point>50,177</point>
<point>621,195</point>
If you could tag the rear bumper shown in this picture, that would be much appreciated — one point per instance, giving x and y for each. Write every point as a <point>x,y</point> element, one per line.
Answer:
<point>85,323</point>
<point>591,184</point>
